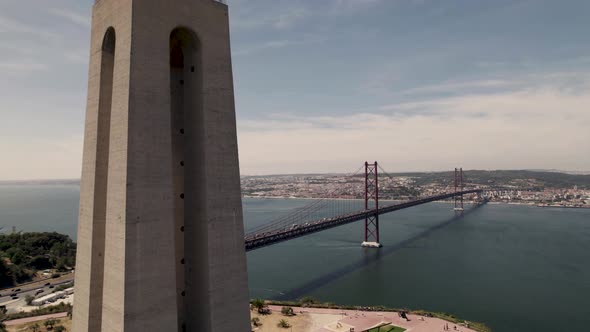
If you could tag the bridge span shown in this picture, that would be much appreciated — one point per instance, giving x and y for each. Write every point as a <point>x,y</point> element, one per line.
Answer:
<point>270,237</point>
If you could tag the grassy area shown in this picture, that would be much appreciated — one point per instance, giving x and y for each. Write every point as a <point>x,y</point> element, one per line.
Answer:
<point>480,327</point>
<point>65,322</point>
<point>387,328</point>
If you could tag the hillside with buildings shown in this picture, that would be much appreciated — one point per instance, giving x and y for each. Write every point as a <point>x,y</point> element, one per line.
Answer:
<point>511,186</point>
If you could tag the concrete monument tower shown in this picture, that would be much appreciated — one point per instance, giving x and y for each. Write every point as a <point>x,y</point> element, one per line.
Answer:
<point>160,235</point>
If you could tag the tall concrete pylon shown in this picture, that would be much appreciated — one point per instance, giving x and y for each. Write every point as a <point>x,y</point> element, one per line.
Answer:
<point>160,234</point>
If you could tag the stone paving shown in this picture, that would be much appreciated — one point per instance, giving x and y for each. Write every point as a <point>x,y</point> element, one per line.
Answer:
<point>365,320</point>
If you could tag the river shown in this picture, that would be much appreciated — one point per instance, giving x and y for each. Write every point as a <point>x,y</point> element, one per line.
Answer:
<point>515,268</point>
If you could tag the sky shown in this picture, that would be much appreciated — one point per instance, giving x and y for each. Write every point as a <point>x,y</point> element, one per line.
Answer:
<point>323,85</point>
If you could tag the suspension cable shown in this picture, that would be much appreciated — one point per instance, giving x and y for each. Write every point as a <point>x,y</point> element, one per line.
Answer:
<point>300,213</point>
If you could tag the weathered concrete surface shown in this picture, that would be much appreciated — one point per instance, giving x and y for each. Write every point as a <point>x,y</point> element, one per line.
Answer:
<point>169,260</point>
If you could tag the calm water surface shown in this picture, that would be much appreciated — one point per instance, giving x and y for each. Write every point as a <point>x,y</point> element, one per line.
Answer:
<point>515,268</point>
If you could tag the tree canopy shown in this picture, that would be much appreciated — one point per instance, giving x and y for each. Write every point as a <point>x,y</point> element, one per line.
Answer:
<point>21,254</point>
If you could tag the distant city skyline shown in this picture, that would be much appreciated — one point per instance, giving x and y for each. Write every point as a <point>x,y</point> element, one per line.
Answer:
<point>321,87</point>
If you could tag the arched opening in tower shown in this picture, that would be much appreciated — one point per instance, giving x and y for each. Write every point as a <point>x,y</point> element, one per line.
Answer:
<point>187,133</point>
<point>101,176</point>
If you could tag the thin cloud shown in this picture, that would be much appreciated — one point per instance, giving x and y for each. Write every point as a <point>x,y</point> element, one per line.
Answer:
<point>71,16</point>
<point>542,128</point>
<point>454,86</point>
<point>272,45</point>
<point>14,26</point>
<point>350,4</point>
<point>21,67</point>
<point>18,49</point>
<point>279,19</point>
<point>291,17</point>
<point>77,56</point>
<point>348,7</point>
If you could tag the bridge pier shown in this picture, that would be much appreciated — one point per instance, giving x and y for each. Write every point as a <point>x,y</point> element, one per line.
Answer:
<point>458,188</point>
<point>371,202</point>
<point>366,244</point>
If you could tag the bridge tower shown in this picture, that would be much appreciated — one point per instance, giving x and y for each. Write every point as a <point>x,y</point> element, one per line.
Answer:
<point>458,188</point>
<point>371,202</point>
<point>160,233</point>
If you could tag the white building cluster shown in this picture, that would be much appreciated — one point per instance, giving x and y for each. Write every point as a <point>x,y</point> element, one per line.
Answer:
<point>50,298</point>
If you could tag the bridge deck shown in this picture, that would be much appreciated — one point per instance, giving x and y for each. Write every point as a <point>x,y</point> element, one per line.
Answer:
<point>268,238</point>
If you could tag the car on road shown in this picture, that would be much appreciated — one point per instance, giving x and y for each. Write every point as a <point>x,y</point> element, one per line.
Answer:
<point>13,294</point>
<point>14,297</point>
<point>39,291</point>
<point>47,284</point>
<point>51,286</point>
<point>16,290</point>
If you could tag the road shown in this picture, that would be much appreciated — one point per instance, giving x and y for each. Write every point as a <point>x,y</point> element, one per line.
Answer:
<point>30,289</point>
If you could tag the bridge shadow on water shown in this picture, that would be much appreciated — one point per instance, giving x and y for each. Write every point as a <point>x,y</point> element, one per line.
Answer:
<point>325,279</point>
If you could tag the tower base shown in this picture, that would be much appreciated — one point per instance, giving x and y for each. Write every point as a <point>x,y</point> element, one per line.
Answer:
<point>371,245</point>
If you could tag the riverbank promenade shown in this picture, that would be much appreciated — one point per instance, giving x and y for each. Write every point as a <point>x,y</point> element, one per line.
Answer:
<point>344,320</point>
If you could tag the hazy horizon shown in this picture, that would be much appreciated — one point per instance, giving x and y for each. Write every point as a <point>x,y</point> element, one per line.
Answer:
<point>3,181</point>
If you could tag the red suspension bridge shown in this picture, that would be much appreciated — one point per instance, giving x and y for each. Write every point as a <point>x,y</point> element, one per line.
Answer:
<point>330,212</point>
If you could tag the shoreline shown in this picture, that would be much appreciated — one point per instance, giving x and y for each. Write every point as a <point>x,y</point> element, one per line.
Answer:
<point>352,310</point>
<point>532,204</point>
